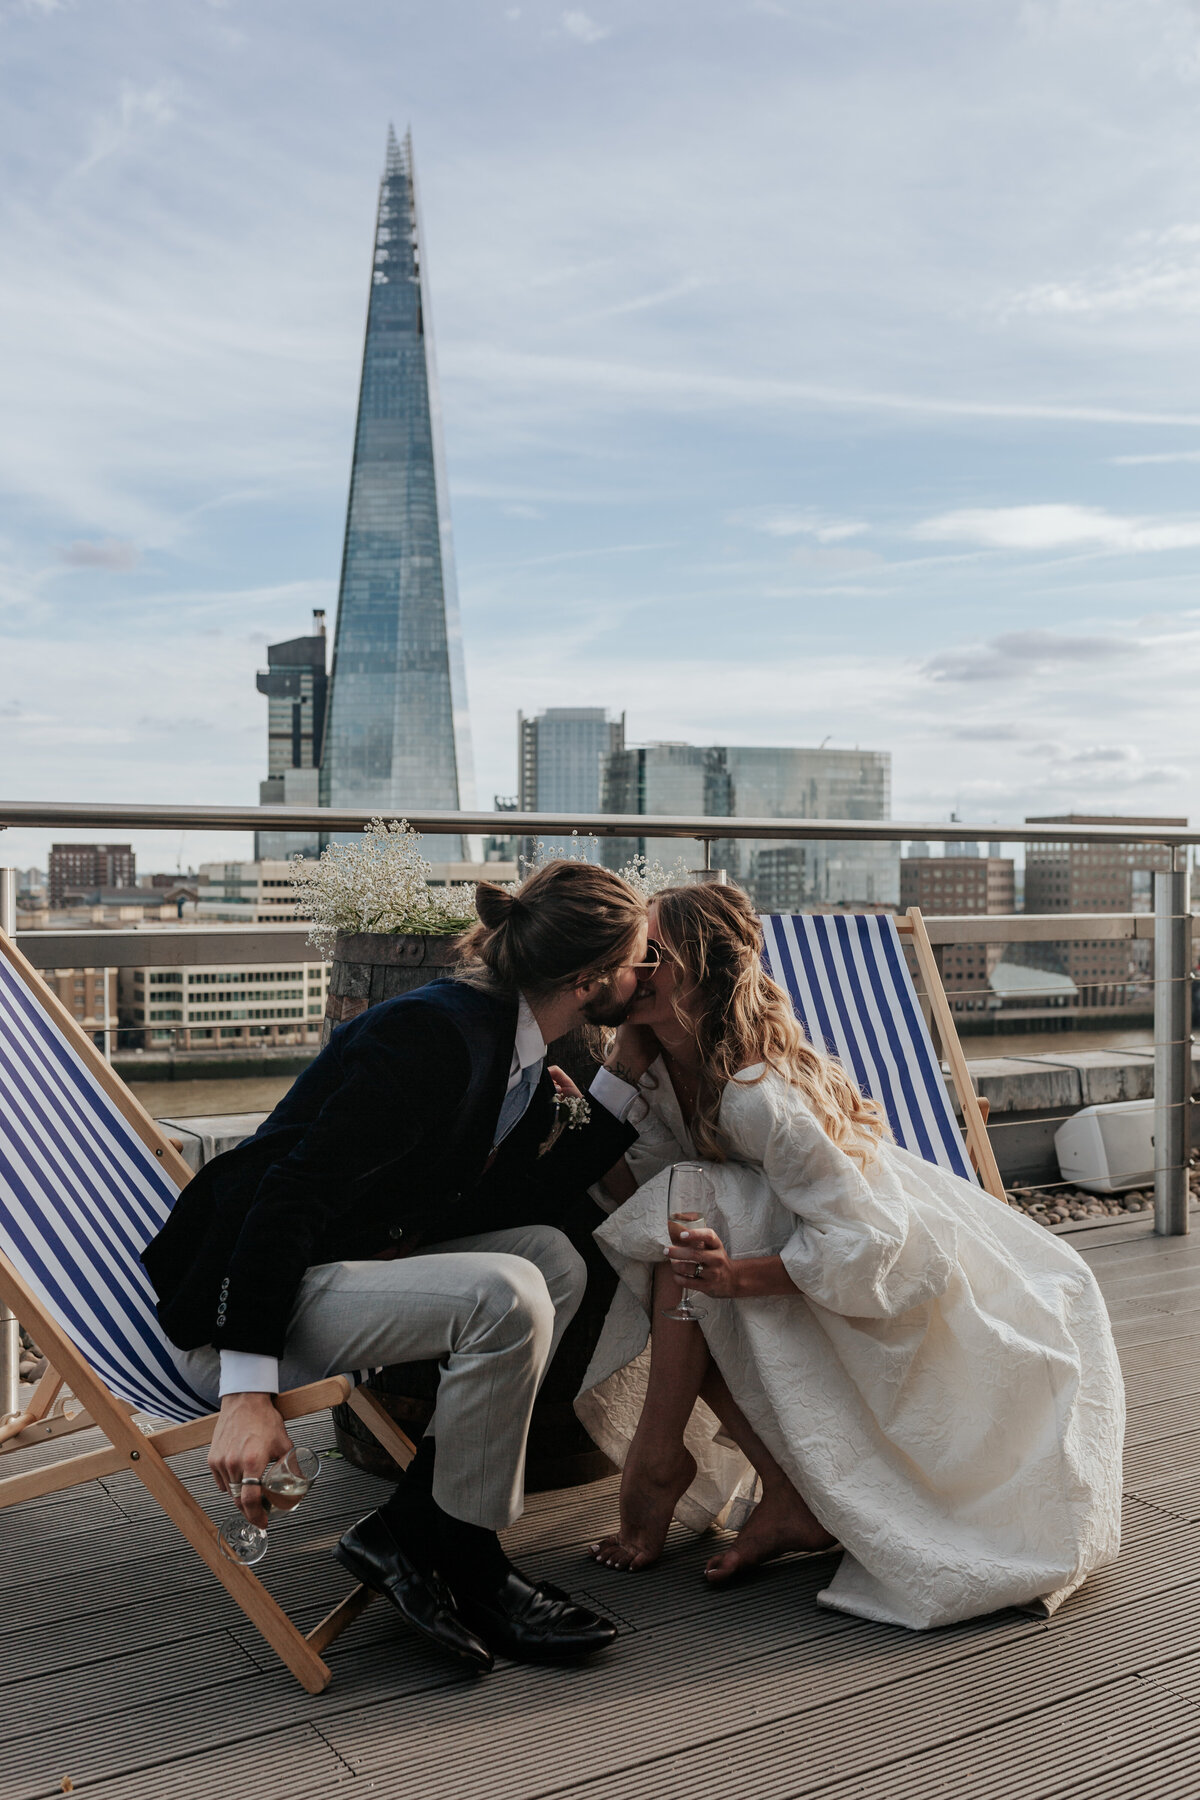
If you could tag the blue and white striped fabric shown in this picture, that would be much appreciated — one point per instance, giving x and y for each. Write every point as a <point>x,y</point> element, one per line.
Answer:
<point>80,1196</point>
<point>851,990</point>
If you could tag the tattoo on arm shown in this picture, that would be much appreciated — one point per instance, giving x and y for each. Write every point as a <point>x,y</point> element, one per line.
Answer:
<point>622,1073</point>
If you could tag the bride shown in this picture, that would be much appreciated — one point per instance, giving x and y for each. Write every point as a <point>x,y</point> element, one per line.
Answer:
<point>887,1357</point>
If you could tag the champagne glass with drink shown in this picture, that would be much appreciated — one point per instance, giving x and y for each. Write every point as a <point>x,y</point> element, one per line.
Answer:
<point>284,1485</point>
<point>687,1199</point>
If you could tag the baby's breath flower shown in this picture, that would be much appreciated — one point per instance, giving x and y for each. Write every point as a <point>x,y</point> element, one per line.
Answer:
<point>650,878</point>
<point>377,882</point>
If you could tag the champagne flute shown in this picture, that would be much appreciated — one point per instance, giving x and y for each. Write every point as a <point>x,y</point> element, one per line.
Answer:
<point>687,1196</point>
<point>284,1485</point>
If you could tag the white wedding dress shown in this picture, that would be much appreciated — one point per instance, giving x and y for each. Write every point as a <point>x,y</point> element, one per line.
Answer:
<point>943,1390</point>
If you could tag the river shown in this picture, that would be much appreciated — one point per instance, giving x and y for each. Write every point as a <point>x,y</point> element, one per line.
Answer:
<point>254,1094</point>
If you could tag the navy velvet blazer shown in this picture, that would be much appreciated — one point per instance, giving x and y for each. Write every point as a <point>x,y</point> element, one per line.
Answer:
<point>380,1145</point>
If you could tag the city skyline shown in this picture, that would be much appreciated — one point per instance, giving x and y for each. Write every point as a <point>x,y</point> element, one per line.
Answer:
<point>900,455</point>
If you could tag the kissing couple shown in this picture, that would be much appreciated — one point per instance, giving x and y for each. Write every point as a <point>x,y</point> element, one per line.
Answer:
<point>886,1357</point>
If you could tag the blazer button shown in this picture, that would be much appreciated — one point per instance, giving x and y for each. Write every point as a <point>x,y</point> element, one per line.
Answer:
<point>396,1233</point>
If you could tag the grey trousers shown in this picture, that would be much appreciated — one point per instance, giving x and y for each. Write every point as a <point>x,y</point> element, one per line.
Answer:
<point>491,1308</point>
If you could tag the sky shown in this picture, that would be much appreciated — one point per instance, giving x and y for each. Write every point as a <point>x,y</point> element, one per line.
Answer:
<point>809,371</point>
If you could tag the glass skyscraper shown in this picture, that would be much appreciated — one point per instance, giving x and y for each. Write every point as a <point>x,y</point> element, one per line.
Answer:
<point>396,734</point>
<point>763,782</point>
<point>560,760</point>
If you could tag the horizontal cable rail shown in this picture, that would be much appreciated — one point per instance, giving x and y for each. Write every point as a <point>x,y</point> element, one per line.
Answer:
<point>177,945</point>
<point>706,828</point>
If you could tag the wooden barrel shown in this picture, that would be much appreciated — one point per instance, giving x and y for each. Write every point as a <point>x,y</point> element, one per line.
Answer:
<point>372,966</point>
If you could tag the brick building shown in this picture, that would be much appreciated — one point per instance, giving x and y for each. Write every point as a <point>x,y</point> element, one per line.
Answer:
<point>90,996</point>
<point>1094,878</point>
<point>949,887</point>
<point>83,868</point>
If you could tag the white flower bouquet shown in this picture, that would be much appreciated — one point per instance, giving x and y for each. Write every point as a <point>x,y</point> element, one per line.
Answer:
<point>378,882</point>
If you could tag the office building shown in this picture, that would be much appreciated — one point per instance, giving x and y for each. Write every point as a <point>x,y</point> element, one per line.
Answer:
<point>951,887</point>
<point>1095,878</point>
<point>199,1007</point>
<point>83,868</point>
<point>763,782</point>
<point>247,893</point>
<point>396,735</point>
<point>560,763</point>
<point>295,684</point>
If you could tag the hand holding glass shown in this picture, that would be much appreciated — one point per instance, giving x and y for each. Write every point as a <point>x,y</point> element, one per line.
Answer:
<point>687,1198</point>
<point>284,1485</point>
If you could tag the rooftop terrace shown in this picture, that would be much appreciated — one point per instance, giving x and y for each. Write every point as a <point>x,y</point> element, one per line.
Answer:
<point>125,1669</point>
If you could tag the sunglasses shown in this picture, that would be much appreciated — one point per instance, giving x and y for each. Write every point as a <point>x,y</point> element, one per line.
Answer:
<point>651,960</point>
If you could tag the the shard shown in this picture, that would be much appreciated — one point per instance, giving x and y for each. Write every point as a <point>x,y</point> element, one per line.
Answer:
<point>396,734</point>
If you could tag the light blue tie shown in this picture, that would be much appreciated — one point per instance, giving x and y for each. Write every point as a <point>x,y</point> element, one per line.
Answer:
<point>516,1101</point>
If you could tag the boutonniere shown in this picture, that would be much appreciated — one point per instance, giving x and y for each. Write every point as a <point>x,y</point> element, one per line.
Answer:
<point>571,1113</point>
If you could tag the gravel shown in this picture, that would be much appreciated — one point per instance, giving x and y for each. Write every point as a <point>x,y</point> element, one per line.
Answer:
<point>1064,1206</point>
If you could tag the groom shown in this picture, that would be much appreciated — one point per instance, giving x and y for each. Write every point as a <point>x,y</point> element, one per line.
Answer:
<point>383,1214</point>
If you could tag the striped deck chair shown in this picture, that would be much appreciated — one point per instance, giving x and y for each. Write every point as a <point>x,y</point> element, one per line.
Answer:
<point>852,991</point>
<point>86,1179</point>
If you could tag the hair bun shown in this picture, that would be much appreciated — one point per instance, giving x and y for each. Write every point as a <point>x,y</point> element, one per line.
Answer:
<point>493,903</point>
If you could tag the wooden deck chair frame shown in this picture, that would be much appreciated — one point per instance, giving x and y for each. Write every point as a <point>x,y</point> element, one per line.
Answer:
<point>911,929</point>
<point>130,1446</point>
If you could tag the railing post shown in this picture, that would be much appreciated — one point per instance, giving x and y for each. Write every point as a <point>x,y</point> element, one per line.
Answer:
<point>1172,1044</point>
<point>707,872</point>
<point>10,1331</point>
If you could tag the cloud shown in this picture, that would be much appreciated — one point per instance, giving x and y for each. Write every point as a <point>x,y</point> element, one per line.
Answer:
<point>104,553</point>
<point>1057,527</point>
<point>1017,653</point>
<point>784,522</point>
<point>646,384</point>
<point>139,111</point>
<point>584,29</point>
<point>1157,456</point>
<point>1162,275</point>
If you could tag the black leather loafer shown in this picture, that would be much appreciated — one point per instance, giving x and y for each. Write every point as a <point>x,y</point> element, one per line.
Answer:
<point>374,1555</point>
<point>533,1621</point>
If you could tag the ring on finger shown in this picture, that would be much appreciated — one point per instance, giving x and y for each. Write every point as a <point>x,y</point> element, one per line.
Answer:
<point>698,1271</point>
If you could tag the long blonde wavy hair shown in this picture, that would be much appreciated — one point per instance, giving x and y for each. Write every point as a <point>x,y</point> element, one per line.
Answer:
<point>712,936</point>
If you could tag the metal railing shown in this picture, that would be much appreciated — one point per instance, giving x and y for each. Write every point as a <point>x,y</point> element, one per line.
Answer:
<point>172,946</point>
<point>704,828</point>
<point>1169,925</point>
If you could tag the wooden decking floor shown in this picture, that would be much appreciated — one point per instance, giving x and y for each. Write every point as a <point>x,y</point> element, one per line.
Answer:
<point>125,1671</point>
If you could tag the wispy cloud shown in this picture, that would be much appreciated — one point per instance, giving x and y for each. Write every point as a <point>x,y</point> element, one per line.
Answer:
<point>642,385</point>
<point>138,112</point>
<point>1019,653</point>
<point>786,522</point>
<point>1056,528</point>
<point>1155,456</point>
<point>582,27</point>
<point>1161,274</point>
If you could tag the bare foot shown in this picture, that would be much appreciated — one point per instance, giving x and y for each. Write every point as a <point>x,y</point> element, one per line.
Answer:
<point>649,1493</point>
<point>779,1522</point>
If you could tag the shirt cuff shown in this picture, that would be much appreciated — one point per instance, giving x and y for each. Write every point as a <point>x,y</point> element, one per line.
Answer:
<point>615,1096</point>
<point>242,1372</point>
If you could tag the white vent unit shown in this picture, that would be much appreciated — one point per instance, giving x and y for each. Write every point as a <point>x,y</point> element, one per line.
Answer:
<point>1108,1148</point>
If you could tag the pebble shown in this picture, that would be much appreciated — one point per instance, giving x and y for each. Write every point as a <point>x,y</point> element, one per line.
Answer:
<point>1063,1208</point>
